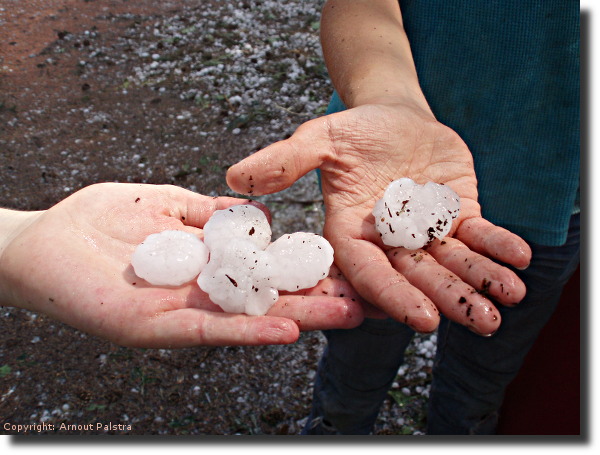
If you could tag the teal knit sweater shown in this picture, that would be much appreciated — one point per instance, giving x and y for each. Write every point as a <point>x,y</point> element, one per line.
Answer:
<point>505,76</point>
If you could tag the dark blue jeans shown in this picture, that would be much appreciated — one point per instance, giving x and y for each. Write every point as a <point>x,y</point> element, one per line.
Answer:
<point>470,372</point>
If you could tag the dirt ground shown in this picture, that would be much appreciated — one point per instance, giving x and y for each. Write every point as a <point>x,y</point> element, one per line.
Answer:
<point>65,124</point>
<point>46,92</point>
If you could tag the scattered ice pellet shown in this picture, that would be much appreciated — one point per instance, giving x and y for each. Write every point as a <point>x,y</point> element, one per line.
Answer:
<point>411,215</point>
<point>169,258</point>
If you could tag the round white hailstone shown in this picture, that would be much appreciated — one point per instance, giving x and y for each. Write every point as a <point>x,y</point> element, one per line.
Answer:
<point>262,301</point>
<point>169,258</point>
<point>225,289</point>
<point>241,221</point>
<point>411,215</point>
<point>302,259</point>
<point>238,277</point>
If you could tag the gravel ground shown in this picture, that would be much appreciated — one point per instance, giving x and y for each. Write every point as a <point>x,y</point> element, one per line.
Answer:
<point>162,92</point>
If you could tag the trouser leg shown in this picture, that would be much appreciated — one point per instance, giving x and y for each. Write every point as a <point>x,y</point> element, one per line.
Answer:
<point>471,373</point>
<point>354,375</point>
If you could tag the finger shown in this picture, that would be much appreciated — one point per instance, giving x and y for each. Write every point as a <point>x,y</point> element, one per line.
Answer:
<point>334,285</point>
<point>372,312</point>
<point>371,274</point>
<point>319,312</point>
<point>493,241</point>
<point>482,273</point>
<point>337,285</point>
<point>457,300</point>
<point>190,327</point>
<point>279,165</point>
<point>331,304</point>
<point>195,209</point>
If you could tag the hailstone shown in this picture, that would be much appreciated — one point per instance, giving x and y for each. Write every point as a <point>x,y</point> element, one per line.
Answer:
<point>169,258</point>
<point>235,265</point>
<point>240,221</point>
<point>411,215</point>
<point>302,259</point>
<point>238,278</point>
<point>245,273</point>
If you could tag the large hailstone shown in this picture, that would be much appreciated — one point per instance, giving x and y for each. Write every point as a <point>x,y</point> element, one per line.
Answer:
<point>411,215</point>
<point>239,277</point>
<point>240,221</point>
<point>302,259</point>
<point>169,258</point>
<point>245,273</point>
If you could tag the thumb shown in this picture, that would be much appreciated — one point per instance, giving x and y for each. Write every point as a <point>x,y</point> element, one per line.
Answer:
<point>279,165</point>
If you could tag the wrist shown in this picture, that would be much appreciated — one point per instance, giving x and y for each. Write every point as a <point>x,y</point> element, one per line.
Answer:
<point>414,103</point>
<point>385,89</point>
<point>368,54</point>
<point>387,83</point>
<point>12,224</point>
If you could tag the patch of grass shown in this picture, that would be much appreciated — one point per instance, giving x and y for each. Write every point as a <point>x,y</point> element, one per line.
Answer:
<point>400,398</point>
<point>6,107</point>
<point>143,378</point>
<point>186,170</point>
<point>5,370</point>
<point>182,422</point>
<point>23,360</point>
<point>96,407</point>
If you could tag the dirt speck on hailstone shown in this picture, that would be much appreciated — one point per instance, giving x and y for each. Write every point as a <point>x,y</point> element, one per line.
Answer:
<point>162,92</point>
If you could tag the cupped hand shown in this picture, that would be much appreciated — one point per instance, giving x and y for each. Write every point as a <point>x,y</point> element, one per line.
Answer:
<point>72,262</point>
<point>359,152</point>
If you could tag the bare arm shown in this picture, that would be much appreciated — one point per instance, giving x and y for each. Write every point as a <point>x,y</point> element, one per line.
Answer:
<point>368,54</point>
<point>72,262</point>
<point>389,132</point>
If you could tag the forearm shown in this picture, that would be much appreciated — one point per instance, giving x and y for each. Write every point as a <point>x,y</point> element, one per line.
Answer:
<point>12,223</point>
<point>367,53</point>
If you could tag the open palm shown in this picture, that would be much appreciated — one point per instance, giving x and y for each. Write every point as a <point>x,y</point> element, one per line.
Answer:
<point>359,152</point>
<point>72,262</point>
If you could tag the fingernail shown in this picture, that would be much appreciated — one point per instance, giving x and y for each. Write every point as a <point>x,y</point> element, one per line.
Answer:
<point>477,332</point>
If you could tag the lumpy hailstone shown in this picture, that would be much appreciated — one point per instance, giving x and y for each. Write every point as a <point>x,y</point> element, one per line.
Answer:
<point>240,278</point>
<point>245,273</point>
<point>302,260</point>
<point>411,215</point>
<point>169,258</point>
<point>239,221</point>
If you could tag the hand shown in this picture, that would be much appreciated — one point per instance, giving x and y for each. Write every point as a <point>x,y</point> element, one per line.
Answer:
<point>360,151</point>
<point>72,262</point>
